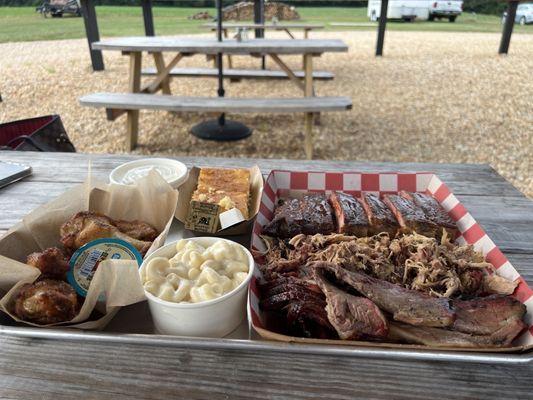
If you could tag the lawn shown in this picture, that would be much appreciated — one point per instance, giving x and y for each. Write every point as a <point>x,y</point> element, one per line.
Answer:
<point>24,24</point>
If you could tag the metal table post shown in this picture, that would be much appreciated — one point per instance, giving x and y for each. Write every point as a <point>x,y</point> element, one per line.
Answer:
<point>508,26</point>
<point>381,27</point>
<point>91,30</point>
<point>220,129</point>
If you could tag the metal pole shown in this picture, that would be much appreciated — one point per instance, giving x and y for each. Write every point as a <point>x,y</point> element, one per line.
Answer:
<point>148,17</point>
<point>259,18</point>
<point>222,118</point>
<point>508,27</point>
<point>381,27</point>
<point>91,30</point>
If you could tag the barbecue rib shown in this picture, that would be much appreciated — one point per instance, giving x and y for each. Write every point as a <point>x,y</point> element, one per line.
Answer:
<point>350,214</point>
<point>405,305</point>
<point>434,212</point>
<point>379,215</point>
<point>437,337</point>
<point>352,317</point>
<point>310,215</point>
<point>486,315</point>
<point>410,217</point>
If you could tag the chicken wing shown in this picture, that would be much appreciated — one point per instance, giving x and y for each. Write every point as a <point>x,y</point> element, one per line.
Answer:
<point>86,226</point>
<point>47,302</point>
<point>51,262</point>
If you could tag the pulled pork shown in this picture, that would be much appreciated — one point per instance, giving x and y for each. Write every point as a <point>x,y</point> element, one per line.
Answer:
<point>439,268</point>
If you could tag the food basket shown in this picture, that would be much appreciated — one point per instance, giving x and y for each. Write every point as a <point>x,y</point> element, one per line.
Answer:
<point>283,184</point>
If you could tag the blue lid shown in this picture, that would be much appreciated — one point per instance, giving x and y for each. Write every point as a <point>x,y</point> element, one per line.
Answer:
<point>84,262</point>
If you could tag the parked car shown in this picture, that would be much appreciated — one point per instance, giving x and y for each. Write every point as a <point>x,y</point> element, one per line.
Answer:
<point>524,14</point>
<point>56,8</point>
<point>450,9</point>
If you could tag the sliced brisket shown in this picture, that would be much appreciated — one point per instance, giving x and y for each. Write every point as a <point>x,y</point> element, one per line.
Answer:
<point>405,305</point>
<point>486,315</point>
<point>437,337</point>
<point>350,214</point>
<point>352,317</point>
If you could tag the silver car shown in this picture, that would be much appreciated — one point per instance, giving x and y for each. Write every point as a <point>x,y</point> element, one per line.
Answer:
<point>524,14</point>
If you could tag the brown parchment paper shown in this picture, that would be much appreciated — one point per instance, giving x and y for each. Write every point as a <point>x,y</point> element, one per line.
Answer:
<point>152,200</point>
<point>256,190</point>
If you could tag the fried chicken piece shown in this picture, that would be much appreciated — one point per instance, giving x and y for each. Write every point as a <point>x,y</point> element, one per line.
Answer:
<point>51,262</point>
<point>87,226</point>
<point>137,229</point>
<point>46,302</point>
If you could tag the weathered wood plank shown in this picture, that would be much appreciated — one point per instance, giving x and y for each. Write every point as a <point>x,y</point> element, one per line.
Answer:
<point>239,73</point>
<point>470,179</point>
<point>462,179</point>
<point>230,46</point>
<point>278,27</point>
<point>63,369</point>
<point>141,101</point>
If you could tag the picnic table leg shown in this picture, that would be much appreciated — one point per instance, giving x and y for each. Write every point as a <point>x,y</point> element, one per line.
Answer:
<point>508,27</point>
<point>308,68</point>
<point>160,66</point>
<point>230,64</point>
<point>91,30</point>
<point>135,87</point>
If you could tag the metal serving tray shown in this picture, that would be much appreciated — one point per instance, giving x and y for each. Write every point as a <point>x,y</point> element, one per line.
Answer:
<point>133,325</point>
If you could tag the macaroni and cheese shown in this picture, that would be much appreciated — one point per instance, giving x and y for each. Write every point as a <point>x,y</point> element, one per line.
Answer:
<point>196,273</point>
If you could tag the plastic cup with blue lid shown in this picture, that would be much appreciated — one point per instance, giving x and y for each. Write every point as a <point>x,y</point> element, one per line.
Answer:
<point>85,261</point>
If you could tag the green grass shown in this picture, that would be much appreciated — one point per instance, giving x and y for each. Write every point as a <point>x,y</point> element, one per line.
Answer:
<point>24,24</point>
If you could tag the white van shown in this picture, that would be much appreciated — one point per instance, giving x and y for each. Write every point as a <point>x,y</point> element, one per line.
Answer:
<point>409,10</point>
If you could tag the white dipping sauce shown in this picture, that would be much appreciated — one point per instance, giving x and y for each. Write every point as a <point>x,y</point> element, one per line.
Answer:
<point>168,173</point>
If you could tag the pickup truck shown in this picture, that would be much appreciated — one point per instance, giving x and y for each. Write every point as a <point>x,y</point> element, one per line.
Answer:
<point>445,9</point>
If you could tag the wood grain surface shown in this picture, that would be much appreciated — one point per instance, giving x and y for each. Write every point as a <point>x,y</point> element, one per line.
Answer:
<point>142,101</point>
<point>236,25</point>
<point>235,73</point>
<point>50,369</point>
<point>228,46</point>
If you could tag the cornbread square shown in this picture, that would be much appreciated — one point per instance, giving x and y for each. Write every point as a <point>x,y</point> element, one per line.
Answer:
<point>228,188</point>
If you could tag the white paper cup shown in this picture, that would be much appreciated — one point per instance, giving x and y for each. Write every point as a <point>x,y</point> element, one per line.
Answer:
<point>213,318</point>
<point>164,165</point>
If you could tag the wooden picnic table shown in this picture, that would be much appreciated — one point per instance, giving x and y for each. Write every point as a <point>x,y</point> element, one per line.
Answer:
<point>286,27</point>
<point>34,368</point>
<point>184,47</point>
<point>260,28</point>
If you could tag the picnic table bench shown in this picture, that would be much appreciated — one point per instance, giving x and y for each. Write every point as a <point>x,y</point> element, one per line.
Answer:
<point>139,97</point>
<point>38,367</point>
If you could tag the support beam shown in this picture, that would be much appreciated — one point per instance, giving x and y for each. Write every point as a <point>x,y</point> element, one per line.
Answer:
<point>148,17</point>
<point>381,27</point>
<point>259,18</point>
<point>91,30</point>
<point>508,27</point>
<point>132,123</point>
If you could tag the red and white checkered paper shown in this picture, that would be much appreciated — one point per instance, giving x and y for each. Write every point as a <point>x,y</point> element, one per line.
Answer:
<point>283,184</point>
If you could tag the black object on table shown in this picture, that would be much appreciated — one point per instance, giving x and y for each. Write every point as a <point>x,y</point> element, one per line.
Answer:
<point>220,129</point>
